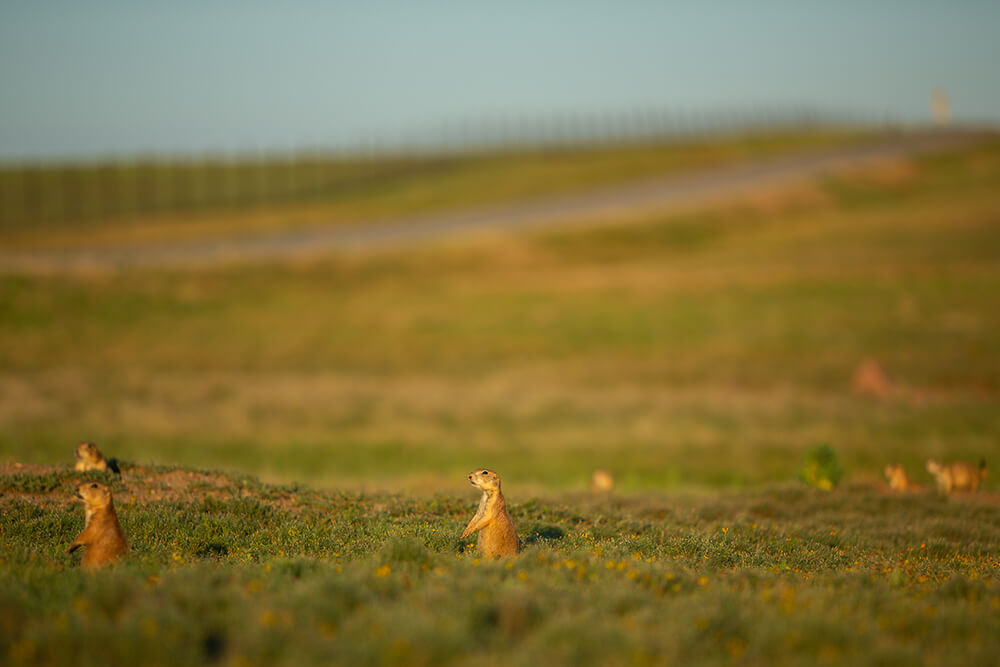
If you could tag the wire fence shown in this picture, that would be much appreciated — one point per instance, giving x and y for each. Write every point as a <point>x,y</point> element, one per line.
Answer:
<point>50,193</point>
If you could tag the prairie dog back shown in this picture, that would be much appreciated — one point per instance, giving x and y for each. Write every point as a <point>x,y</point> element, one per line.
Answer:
<point>957,476</point>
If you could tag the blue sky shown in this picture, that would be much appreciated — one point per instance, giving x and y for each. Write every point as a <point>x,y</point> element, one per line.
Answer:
<point>108,77</point>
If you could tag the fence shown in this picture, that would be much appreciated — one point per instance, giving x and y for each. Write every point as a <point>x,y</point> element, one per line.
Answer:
<point>64,193</point>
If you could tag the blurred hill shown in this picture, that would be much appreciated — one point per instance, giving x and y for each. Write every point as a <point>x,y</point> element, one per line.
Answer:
<point>710,345</point>
<point>153,212</point>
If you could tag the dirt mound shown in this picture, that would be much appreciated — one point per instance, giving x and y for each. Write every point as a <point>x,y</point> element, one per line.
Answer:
<point>47,483</point>
<point>15,468</point>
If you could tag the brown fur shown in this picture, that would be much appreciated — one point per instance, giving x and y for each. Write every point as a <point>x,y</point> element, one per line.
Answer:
<point>870,380</point>
<point>957,476</point>
<point>899,480</point>
<point>89,457</point>
<point>602,482</point>
<point>497,536</point>
<point>102,534</point>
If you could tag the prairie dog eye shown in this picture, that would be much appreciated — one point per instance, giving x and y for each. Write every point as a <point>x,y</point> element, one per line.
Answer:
<point>93,486</point>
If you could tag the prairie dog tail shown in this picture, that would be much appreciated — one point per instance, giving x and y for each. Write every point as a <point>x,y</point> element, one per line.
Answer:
<point>982,469</point>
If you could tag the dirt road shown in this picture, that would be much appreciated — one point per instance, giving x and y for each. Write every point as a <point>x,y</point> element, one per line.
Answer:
<point>645,196</point>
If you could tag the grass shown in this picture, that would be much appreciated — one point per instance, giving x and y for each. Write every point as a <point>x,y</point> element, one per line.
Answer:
<point>225,569</point>
<point>150,201</point>
<point>699,357</point>
<point>656,348</point>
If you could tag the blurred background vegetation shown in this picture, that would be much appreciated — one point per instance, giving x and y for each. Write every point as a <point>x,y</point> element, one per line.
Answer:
<point>711,346</point>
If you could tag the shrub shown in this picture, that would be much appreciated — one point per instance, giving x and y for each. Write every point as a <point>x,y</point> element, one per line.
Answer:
<point>821,469</point>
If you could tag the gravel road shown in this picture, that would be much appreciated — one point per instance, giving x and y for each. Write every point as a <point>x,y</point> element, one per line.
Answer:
<point>649,195</point>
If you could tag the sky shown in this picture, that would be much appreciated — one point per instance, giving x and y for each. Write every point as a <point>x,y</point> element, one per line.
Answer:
<point>116,78</point>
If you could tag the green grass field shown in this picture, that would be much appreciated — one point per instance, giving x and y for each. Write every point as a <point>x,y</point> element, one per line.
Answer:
<point>225,570</point>
<point>696,356</point>
<point>656,348</point>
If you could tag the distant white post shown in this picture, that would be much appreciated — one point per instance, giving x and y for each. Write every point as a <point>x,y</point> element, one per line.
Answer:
<point>940,107</point>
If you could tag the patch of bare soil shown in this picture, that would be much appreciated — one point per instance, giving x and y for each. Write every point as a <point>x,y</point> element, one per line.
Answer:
<point>142,485</point>
<point>138,483</point>
<point>15,468</point>
<point>145,485</point>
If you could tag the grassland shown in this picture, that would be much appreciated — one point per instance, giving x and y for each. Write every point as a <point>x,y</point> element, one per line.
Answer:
<point>225,570</point>
<point>116,203</point>
<point>657,348</point>
<point>696,356</point>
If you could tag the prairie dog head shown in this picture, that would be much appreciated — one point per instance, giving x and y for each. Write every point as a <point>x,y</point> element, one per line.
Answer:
<point>484,479</point>
<point>88,457</point>
<point>94,495</point>
<point>933,467</point>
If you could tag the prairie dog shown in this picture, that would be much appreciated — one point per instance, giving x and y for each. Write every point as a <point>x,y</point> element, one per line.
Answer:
<point>899,480</point>
<point>957,476</point>
<point>89,457</point>
<point>102,534</point>
<point>602,482</point>
<point>498,536</point>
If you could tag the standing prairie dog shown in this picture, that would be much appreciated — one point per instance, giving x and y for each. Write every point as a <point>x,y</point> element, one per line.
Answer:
<point>102,534</point>
<point>498,537</point>
<point>958,476</point>
<point>899,480</point>
<point>89,457</point>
